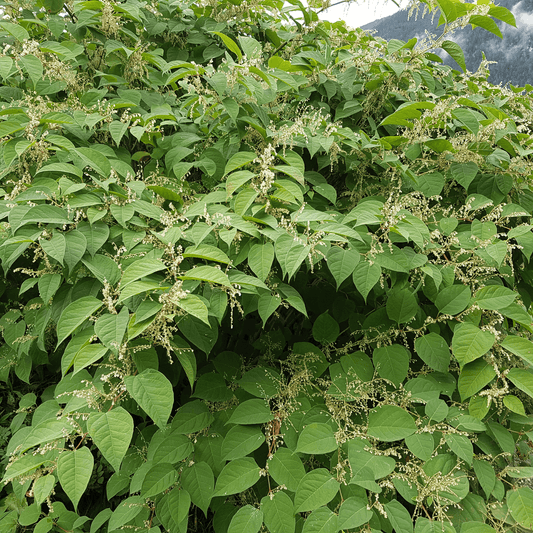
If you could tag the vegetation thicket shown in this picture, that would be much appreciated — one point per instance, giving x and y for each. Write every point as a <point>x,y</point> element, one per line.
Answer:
<point>260,272</point>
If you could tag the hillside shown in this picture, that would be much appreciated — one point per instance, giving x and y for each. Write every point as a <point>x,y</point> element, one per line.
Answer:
<point>513,53</point>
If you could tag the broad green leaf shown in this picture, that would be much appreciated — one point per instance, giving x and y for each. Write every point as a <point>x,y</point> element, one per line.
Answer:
<point>247,519</point>
<point>230,43</point>
<point>15,30</point>
<point>473,377</point>
<point>239,160</point>
<point>286,468</point>
<point>158,479</point>
<point>48,285</point>
<point>392,362</point>
<point>75,246</point>
<point>316,488</point>
<point>434,351</point>
<point>325,329</point>
<point>125,512</point>
<point>485,475</point>
<point>267,305</point>
<point>207,252</point>
<point>341,263</point>
<point>519,346</point>
<point>199,333</point>
<point>207,273</point>
<point>111,329</point>
<point>494,297</point>
<point>168,446</point>
<point>437,410</point>
<point>33,67</point>
<point>464,173</point>
<point>153,392</point>
<point>520,502</point>
<point>88,355</point>
<point>260,259</point>
<point>523,379</point>
<point>199,481</point>
<point>103,268</point>
<point>353,513</point>
<point>401,306</point>
<point>75,314</point>
<point>55,247</point>
<point>237,179</point>
<point>96,235</point>
<point>193,305</point>
<point>321,520</point>
<point>456,52</point>
<point>399,517</point>
<point>421,445</point>
<point>278,513</point>
<point>469,342</point>
<point>111,431</point>
<point>74,470</point>
<point>42,487</point>
<point>316,438</point>
<point>453,300</point>
<point>173,510</point>
<point>467,118</point>
<point>290,253</point>
<point>389,423</point>
<point>365,276</point>
<point>186,357</point>
<point>253,411</point>
<point>406,112</point>
<point>140,269</point>
<point>461,446</point>
<point>262,382</point>
<point>241,441</point>
<point>486,23</point>
<point>237,476</point>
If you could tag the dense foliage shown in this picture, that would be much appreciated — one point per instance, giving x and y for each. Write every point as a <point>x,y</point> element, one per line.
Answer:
<point>260,272</point>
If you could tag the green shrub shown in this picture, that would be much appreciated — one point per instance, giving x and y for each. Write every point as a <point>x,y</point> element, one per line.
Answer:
<point>260,272</point>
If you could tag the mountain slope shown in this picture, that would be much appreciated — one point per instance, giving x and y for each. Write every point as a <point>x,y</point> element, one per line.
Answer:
<point>513,53</point>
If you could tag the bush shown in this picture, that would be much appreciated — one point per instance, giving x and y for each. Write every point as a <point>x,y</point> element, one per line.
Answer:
<point>260,272</point>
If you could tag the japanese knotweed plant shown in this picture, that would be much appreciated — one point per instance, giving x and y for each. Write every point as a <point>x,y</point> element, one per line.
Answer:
<point>260,272</point>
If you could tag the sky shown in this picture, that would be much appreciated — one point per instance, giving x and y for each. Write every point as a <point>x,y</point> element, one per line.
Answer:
<point>360,12</point>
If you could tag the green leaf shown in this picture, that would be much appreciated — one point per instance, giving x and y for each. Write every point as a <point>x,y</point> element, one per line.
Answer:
<point>103,268</point>
<point>421,445</point>
<point>389,423</point>
<point>186,358</point>
<point>325,329</point>
<point>456,52</point>
<point>520,502</point>
<point>519,346</point>
<point>140,269</point>
<point>111,329</point>
<point>230,43</point>
<point>341,263</point>
<point>237,476</point>
<point>453,300</point>
<point>286,468</point>
<point>315,489</point>
<point>473,377</point>
<point>76,244</point>
<point>461,446</point>
<point>469,342</point>
<point>15,30</point>
<point>399,517</point>
<point>247,519</point>
<point>48,285</point>
<point>434,351</point>
<point>321,520</point>
<point>437,410</point>
<point>207,273</point>
<point>353,513</point>
<point>96,235</point>
<point>241,441</point>
<point>153,392</point>
<point>169,446</point>
<point>42,487</point>
<point>406,112</point>
<point>464,173</point>
<point>523,379</point>
<point>33,67</point>
<point>193,305</point>
<point>365,276</point>
<point>392,362</point>
<point>278,513</point>
<point>199,333</point>
<point>237,179</point>
<point>199,482</point>
<point>111,431</point>
<point>267,305</point>
<point>402,306</point>
<point>55,247</point>
<point>467,118</point>
<point>290,253</point>
<point>316,438</point>
<point>158,479</point>
<point>238,160</point>
<point>74,470</point>
<point>253,411</point>
<point>208,253</point>
<point>125,512</point>
<point>486,23</point>
<point>74,315</point>
<point>485,475</point>
<point>494,297</point>
<point>260,259</point>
